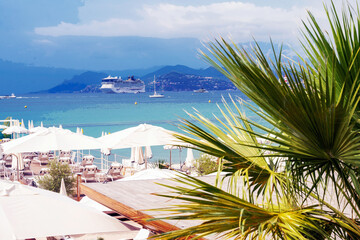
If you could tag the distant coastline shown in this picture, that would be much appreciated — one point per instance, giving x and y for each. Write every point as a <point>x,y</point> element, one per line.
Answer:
<point>169,78</point>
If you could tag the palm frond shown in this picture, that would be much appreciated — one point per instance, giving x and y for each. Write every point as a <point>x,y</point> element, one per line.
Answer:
<point>228,216</point>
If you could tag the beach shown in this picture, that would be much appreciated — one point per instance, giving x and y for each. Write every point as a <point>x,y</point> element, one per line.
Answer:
<point>98,112</point>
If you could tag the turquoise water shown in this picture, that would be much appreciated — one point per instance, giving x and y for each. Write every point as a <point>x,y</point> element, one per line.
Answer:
<point>113,112</point>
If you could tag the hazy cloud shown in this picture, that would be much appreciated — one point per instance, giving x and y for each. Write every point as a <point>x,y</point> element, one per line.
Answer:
<point>162,20</point>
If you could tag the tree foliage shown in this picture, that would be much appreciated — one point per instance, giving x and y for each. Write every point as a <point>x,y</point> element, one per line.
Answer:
<point>52,180</point>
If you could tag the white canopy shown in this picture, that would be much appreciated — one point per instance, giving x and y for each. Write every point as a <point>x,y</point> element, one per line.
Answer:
<point>91,203</point>
<point>37,129</point>
<point>15,129</point>
<point>190,160</point>
<point>63,188</point>
<point>141,135</point>
<point>51,139</point>
<point>28,212</point>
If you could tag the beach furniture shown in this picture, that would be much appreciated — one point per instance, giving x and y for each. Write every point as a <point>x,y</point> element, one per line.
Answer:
<point>42,158</point>
<point>8,160</point>
<point>65,154</point>
<point>12,175</point>
<point>2,168</point>
<point>88,173</point>
<point>74,166</point>
<point>27,170</point>
<point>115,171</point>
<point>4,140</point>
<point>64,160</point>
<point>128,165</point>
<point>87,160</point>
<point>44,171</point>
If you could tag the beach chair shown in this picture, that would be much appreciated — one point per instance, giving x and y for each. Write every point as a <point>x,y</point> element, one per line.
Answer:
<point>65,153</point>
<point>8,160</point>
<point>114,171</point>
<point>87,160</point>
<point>44,171</point>
<point>88,173</point>
<point>75,167</point>
<point>12,175</point>
<point>42,158</point>
<point>2,168</point>
<point>27,170</point>
<point>64,160</point>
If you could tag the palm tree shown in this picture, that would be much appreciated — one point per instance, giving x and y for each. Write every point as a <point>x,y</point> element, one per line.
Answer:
<point>281,175</point>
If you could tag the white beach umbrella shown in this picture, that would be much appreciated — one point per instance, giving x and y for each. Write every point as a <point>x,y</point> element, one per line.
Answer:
<point>189,161</point>
<point>15,129</point>
<point>36,129</point>
<point>148,153</point>
<point>91,203</point>
<point>28,212</point>
<point>139,156</point>
<point>141,135</point>
<point>17,161</point>
<point>51,139</point>
<point>63,188</point>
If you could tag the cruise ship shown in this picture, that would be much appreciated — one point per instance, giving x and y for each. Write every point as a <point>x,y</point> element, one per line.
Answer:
<point>117,85</point>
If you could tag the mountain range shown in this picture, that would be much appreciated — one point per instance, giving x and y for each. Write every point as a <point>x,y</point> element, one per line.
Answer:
<point>20,78</point>
<point>168,78</point>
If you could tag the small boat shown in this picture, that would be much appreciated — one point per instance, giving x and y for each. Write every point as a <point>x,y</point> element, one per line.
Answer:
<point>8,97</point>
<point>156,95</point>
<point>201,90</point>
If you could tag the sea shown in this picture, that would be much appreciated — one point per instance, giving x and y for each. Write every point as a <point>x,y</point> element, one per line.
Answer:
<point>98,112</point>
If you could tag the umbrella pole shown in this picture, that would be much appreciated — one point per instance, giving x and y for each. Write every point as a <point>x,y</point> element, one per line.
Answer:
<point>102,161</point>
<point>170,158</point>
<point>145,160</point>
<point>17,168</point>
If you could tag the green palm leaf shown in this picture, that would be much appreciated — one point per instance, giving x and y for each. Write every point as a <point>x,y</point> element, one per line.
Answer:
<point>312,124</point>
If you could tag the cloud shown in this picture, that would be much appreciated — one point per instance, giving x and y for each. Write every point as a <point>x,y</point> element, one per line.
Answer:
<point>242,20</point>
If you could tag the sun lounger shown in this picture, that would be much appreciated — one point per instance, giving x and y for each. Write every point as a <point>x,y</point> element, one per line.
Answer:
<point>12,174</point>
<point>87,160</point>
<point>64,160</point>
<point>44,171</point>
<point>88,173</point>
<point>112,174</point>
<point>27,170</point>
<point>114,171</point>
<point>65,154</point>
<point>42,158</point>
<point>2,168</point>
<point>8,160</point>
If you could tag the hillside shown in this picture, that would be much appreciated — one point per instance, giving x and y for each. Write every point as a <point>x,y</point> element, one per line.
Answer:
<point>20,78</point>
<point>169,78</point>
<point>175,81</point>
<point>78,83</point>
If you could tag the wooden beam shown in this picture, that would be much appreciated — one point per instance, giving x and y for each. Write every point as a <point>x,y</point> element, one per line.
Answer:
<point>156,226</point>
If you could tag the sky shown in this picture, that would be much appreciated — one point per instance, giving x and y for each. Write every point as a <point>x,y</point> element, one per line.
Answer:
<point>119,34</point>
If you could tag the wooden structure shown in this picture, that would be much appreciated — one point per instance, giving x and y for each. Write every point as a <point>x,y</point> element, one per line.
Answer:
<point>133,199</point>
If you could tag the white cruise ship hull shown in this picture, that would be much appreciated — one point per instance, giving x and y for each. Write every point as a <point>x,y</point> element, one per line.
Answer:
<point>122,87</point>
